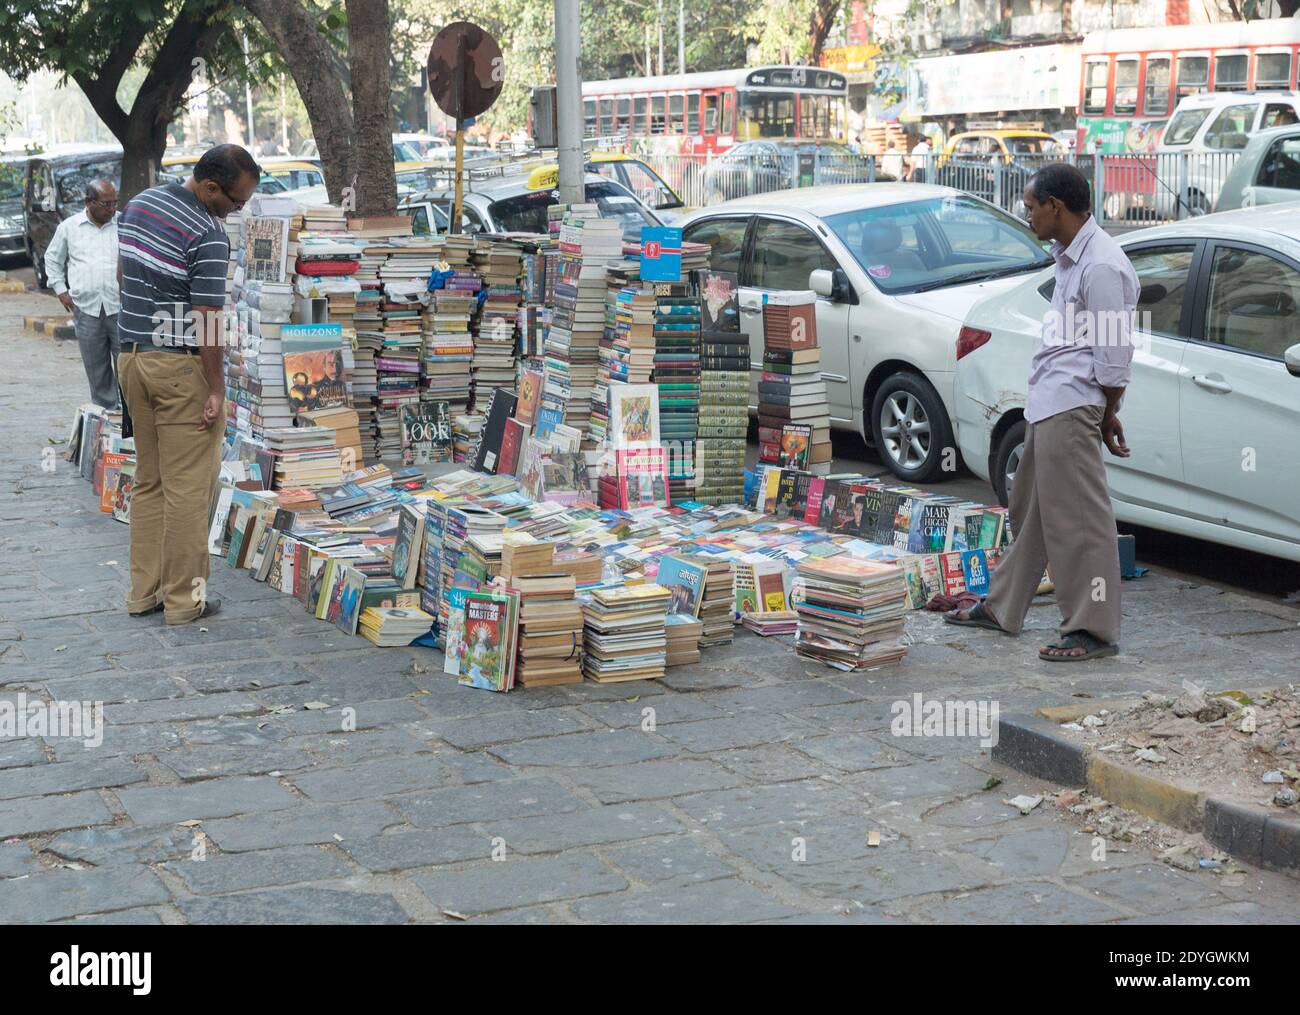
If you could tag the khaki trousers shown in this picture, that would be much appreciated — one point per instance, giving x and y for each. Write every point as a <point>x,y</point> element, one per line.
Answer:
<point>175,477</point>
<point>1061,515</point>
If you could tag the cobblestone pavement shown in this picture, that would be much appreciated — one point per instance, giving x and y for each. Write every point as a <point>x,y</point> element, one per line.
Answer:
<point>754,756</point>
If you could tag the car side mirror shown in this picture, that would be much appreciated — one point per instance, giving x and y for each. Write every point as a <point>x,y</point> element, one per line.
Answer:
<point>822,282</point>
<point>1292,358</point>
<point>833,285</point>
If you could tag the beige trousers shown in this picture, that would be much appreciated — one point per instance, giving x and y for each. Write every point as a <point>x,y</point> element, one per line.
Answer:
<point>1061,515</point>
<point>175,476</point>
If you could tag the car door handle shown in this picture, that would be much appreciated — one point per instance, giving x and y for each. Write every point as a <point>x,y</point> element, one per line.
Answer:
<point>1210,384</point>
<point>751,310</point>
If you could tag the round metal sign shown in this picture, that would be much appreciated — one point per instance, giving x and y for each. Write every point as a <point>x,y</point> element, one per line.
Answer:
<point>466,70</point>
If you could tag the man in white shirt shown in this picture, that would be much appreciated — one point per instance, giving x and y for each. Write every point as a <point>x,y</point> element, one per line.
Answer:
<point>920,161</point>
<point>891,163</point>
<point>81,265</point>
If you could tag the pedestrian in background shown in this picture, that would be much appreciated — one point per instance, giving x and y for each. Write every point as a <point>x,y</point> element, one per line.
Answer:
<point>1061,513</point>
<point>174,254</point>
<point>891,163</point>
<point>81,266</point>
<point>920,159</point>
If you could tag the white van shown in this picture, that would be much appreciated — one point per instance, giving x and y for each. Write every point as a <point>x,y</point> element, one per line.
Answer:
<point>1203,140</point>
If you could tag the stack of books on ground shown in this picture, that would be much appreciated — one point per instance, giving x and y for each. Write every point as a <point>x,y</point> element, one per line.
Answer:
<point>448,349</point>
<point>393,625</point>
<point>499,263</point>
<point>683,632</point>
<point>723,422</point>
<point>304,456</point>
<point>550,630</point>
<point>623,634</point>
<point>627,347</point>
<point>677,374</point>
<point>850,612</point>
<point>766,625</point>
<point>572,348</point>
<point>791,392</point>
<point>347,434</point>
<point>717,606</point>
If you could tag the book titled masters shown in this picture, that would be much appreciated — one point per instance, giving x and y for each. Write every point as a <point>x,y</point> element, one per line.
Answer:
<point>488,657</point>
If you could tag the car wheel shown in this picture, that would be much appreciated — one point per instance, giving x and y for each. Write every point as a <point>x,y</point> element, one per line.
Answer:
<point>38,265</point>
<point>1006,460</point>
<point>910,427</point>
<point>1197,205</point>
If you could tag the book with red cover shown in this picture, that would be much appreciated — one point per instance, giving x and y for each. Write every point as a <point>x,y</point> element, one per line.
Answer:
<point>812,510</point>
<point>642,478</point>
<point>512,443</point>
<point>951,574</point>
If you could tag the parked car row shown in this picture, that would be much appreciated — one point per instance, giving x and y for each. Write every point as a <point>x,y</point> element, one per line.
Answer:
<point>930,303</point>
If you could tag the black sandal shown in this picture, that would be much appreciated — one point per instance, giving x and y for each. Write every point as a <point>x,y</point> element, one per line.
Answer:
<point>976,616</point>
<point>1094,648</point>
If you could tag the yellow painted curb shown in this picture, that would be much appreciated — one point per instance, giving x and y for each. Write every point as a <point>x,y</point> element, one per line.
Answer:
<point>1164,801</point>
<point>12,286</point>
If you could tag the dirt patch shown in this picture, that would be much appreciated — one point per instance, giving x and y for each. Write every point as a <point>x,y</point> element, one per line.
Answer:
<point>1234,745</point>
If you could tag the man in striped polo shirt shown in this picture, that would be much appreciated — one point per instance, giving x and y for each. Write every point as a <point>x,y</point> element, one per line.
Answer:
<point>172,257</point>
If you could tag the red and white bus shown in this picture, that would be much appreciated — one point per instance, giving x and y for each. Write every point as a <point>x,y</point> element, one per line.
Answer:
<point>699,114</point>
<point>1132,78</point>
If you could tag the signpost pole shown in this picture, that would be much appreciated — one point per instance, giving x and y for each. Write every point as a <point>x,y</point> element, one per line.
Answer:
<point>568,98</point>
<point>454,226</point>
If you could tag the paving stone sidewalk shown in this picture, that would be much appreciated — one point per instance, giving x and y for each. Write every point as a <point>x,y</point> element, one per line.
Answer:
<point>742,789</point>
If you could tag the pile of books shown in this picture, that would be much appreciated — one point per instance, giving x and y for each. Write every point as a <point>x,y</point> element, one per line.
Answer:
<point>255,363</point>
<point>397,367</point>
<point>347,434</point>
<point>393,625</point>
<point>499,264</point>
<point>550,630</point>
<point>765,625</point>
<point>683,633</point>
<point>793,414</point>
<point>304,456</point>
<point>572,349</point>
<point>850,612</point>
<point>677,373</point>
<point>623,633</point>
<point>445,369</point>
<point>723,422</point>
<point>718,604</point>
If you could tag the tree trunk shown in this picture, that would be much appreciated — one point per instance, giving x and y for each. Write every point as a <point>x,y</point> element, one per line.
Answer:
<point>823,20</point>
<point>372,108</point>
<point>143,131</point>
<point>312,63</point>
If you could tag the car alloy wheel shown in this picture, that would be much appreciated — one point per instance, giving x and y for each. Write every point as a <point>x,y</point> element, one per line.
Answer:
<point>906,430</point>
<point>1013,463</point>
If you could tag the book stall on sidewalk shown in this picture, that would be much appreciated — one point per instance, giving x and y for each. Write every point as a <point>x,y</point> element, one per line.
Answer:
<point>528,451</point>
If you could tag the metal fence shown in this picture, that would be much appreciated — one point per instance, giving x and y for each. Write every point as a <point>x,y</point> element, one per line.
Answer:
<point>1135,188</point>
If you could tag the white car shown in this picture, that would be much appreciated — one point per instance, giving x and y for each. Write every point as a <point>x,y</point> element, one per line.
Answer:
<point>1202,142</point>
<point>1212,412</point>
<point>896,267</point>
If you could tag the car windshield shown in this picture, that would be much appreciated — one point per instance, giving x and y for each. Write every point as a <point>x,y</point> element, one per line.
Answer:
<point>527,212</point>
<point>1032,145</point>
<point>940,242</point>
<point>1183,127</point>
<point>71,180</point>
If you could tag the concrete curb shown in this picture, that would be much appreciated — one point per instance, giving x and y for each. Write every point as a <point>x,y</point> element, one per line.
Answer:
<point>1034,745</point>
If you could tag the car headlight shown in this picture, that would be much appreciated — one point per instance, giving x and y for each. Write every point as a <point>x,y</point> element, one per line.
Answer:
<point>10,225</point>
